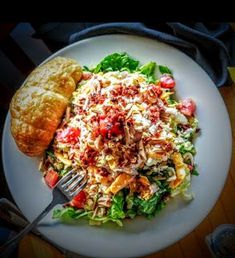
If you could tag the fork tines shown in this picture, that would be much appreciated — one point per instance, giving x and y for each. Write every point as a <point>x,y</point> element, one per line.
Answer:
<point>70,183</point>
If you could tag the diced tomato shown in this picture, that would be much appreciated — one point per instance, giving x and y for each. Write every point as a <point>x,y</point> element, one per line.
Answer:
<point>110,126</point>
<point>68,135</point>
<point>105,126</point>
<point>167,82</point>
<point>187,107</point>
<point>51,178</point>
<point>79,200</point>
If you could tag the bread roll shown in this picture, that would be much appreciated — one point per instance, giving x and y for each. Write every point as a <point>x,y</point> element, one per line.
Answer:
<point>38,106</point>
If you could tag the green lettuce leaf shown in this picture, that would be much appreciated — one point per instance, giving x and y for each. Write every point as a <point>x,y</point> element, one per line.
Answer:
<point>117,208</point>
<point>117,62</point>
<point>164,69</point>
<point>149,70</point>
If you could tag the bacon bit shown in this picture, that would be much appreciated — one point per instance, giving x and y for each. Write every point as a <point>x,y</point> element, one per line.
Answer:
<point>154,114</point>
<point>168,147</point>
<point>130,91</point>
<point>164,116</point>
<point>137,136</point>
<point>156,89</point>
<point>88,158</point>
<point>97,99</point>
<point>117,91</point>
<point>79,110</point>
<point>152,93</point>
<point>120,90</point>
<point>104,172</point>
<point>122,101</point>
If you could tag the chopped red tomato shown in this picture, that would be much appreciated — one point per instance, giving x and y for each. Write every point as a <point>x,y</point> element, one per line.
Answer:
<point>79,200</point>
<point>110,126</point>
<point>167,82</point>
<point>51,178</point>
<point>187,107</point>
<point>68,135</point>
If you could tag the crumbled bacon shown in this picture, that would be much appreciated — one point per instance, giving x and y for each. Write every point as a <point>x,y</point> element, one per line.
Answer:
<point>129,91</point>
<point>104,172</point>
<point>88,157</point>
<point>154,114</point>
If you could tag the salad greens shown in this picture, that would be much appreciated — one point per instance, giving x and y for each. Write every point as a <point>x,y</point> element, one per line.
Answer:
<point>149,70</point>
<point>117,62</point>
<point>123,62</point>
<point>123,206</point>
<point>164,69</point>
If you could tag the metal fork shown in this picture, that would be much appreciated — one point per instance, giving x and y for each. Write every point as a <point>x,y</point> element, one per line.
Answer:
<point>67,187</point>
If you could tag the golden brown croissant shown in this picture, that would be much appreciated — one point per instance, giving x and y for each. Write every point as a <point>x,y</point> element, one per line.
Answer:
<point>38,106</point>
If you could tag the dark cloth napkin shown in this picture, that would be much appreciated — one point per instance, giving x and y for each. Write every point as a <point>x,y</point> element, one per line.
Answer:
<point>210,45</point>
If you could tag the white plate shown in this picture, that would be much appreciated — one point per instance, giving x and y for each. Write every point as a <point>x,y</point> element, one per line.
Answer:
<point>140,236</point>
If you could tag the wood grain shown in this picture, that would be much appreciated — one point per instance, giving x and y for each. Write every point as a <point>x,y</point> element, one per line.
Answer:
<point>194,245</point>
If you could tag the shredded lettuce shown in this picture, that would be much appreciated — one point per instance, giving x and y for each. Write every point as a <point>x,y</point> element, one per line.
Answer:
<point>187,147</point>
<point>68,213</point>
<point>183,189</point>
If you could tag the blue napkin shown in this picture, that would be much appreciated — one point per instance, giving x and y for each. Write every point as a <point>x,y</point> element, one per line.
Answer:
<point>210,45</point>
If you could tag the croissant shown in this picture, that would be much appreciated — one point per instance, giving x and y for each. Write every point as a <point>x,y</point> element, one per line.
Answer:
<point>39,104</point>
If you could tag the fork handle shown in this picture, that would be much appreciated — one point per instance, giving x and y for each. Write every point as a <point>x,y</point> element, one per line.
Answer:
<point>5,248</point>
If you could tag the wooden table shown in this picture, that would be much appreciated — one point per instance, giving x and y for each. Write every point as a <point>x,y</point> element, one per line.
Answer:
<point>193,245</point>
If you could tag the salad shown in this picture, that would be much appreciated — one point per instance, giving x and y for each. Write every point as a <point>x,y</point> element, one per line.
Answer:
<point>126,132</point>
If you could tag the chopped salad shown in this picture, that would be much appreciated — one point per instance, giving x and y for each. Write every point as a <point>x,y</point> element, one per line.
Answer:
<point>126,132</point>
